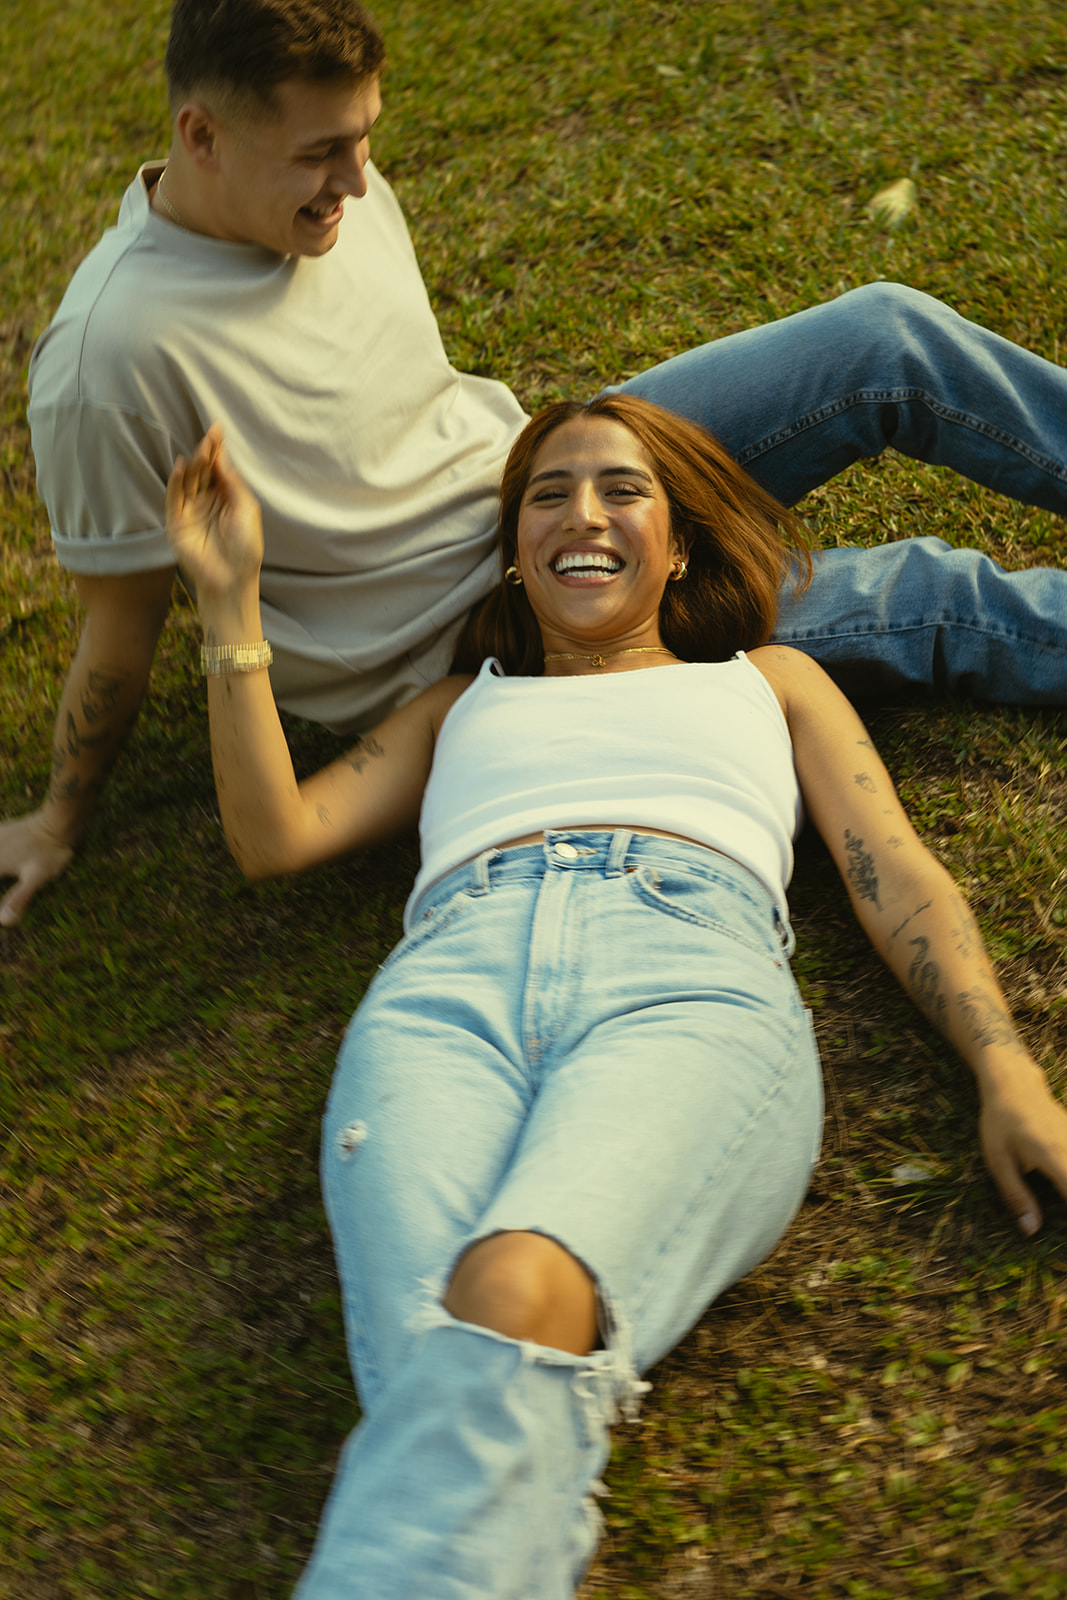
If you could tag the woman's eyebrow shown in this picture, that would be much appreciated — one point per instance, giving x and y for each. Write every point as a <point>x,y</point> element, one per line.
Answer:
<point>607,472</point>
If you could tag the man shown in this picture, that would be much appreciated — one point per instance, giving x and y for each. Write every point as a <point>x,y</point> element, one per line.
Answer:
<point>264,275</point>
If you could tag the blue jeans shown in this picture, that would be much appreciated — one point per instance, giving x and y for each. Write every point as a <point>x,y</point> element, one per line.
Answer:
<point>598,1039</point>
<point>798,400</point>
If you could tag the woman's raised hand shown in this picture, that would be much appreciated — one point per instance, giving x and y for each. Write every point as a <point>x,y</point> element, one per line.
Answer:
<point>213,521</point>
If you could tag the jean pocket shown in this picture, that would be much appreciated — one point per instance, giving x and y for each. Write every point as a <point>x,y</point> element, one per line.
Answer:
<point>433,920</point>
<point>709,903</point>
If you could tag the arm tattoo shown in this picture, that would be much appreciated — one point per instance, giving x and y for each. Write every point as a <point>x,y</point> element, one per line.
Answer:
<point>366,750</point>
<point>968,934</point>
<point>924,978</point>
<point>77,742</point>
<point>865,781</point>
<point>924,907</point>
<point>100,696</point>
<point>860,873</point>
<point>986,1022</point>
<point>108,740</point>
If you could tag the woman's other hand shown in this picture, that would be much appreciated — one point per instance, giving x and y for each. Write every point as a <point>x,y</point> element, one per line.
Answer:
<point>214,522</point>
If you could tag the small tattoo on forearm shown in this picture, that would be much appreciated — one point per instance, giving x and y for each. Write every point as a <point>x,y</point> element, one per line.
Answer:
<point>100,696</point>
<point>924,907</point>
<point>968,935</point>
<point>895,841</point>
<point>864,781</point>
<point>366,750</point>
<point>860,873</point>
<point>77,742</point>
<point>986,1021</point>
<point>924,976</point>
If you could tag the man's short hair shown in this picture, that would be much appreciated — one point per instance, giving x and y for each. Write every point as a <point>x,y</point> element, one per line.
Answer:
<point>242,50</point>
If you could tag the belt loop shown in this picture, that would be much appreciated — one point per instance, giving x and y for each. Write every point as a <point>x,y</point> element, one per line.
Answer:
<point>480,871</point>
<point>617,850</point>
<point>785,933</point>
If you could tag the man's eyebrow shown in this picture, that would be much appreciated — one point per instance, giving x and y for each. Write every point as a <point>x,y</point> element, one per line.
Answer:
<point>607,472</point>
<point>335,138</point>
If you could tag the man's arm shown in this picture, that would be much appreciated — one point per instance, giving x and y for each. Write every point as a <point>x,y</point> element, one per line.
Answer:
<point>101,698</point>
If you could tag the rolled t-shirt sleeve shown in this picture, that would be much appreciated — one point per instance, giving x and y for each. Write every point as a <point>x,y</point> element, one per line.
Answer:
<point>102,472</point>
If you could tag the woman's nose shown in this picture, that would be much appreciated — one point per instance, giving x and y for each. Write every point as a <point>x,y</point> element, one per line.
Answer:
<point>584,508</point>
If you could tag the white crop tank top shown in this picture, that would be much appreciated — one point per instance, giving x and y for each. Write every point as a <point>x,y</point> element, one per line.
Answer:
<point>701,750</point>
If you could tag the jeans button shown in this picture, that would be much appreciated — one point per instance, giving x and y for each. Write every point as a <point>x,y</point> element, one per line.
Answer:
<point>566,852</point>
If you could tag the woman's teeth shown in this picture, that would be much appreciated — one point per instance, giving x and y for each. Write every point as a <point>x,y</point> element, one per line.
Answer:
<point>586,561</point>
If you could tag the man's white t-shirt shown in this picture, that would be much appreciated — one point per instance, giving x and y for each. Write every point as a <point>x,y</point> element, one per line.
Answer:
<point>376,463</point>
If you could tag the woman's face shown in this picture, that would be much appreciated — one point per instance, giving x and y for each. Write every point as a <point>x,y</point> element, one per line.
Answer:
<point>595,548</point>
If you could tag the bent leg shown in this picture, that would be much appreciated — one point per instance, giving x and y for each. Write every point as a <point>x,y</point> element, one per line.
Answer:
<point>798,400</point>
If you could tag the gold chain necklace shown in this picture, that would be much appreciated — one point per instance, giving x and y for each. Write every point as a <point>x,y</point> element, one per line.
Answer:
<point>599,660</point>
<point>165,203</point>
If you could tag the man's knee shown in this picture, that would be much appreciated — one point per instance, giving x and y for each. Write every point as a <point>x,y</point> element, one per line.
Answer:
<point>526,1286</point>
<point>891,312</point>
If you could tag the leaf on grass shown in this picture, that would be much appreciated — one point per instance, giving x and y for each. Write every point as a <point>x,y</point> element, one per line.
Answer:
<point>669,72</point>
<point>909,1172</point>
<point>892,204</point>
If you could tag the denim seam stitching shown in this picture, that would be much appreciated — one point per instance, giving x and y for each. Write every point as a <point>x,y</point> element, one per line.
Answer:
<point>963,419</point>
<point>657,902</point>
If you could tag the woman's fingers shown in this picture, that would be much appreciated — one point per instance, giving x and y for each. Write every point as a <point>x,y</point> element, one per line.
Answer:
<point>1017,1195</point>
<point>1026,1133</point>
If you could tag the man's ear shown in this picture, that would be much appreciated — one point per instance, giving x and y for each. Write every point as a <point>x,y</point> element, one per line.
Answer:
<point>197,129</point>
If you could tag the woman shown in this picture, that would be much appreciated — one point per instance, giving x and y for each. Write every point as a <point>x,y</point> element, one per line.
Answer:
<point>582,1095</point>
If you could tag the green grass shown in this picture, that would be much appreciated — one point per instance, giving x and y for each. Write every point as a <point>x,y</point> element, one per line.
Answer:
<point>877,1411</point>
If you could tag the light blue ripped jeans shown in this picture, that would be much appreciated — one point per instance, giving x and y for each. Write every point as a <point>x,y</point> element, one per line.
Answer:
<point>798,400</point>
<point>598,1039</point>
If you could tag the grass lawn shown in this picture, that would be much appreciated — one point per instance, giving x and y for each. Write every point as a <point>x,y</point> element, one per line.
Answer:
<point>879,1410</point>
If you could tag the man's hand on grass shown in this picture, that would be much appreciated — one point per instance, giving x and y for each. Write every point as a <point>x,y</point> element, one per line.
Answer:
<point>32,854</point>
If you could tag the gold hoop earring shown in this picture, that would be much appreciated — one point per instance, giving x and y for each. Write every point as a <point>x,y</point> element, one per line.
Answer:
<point>513,575</point>
<point>679,572</point>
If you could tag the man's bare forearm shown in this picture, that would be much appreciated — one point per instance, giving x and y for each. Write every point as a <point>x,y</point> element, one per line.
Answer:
<point>96,715</point>
<point>104,691</point>
<point>99,705</point>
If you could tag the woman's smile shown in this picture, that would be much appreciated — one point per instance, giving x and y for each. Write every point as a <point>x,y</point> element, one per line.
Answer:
<point>586,564</point>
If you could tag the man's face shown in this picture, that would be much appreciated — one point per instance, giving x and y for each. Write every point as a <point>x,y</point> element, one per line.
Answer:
<point>283,181</point>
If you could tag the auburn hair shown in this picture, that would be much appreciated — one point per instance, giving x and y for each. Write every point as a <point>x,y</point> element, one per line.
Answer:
<point>733,534</point>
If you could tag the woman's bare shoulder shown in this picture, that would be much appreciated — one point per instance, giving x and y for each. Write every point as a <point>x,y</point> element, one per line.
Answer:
<point>439,698</point>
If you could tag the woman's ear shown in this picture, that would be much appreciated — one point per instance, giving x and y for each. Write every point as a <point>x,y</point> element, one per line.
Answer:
<point>680,547</point>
